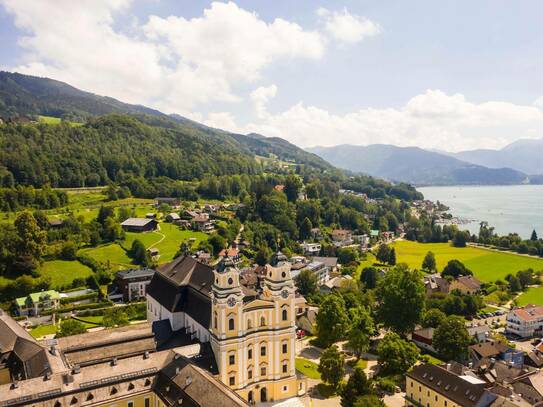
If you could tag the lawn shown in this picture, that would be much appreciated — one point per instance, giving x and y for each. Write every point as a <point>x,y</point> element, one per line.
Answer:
<point>42,330</point>
<point>56,120</point>
<point>486,265</point>
<point>308,368</point>
<point>111,252</point>
<point>534,295</point>
<point>91,322</point>
<point>63,272</point>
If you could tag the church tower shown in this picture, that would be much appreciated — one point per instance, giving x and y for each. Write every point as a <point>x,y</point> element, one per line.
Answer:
<point>253,334</point>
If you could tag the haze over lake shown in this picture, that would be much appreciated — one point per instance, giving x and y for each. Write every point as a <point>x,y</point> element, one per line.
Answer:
<point>516,208</point>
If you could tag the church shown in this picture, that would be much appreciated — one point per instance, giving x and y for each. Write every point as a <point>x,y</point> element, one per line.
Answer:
<point>248,321</point>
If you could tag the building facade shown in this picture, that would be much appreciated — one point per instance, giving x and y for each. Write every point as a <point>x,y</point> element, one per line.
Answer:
<point>526,322</point>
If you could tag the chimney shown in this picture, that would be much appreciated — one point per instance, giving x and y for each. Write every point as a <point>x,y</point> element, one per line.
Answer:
<point>114,362</point>
<point>76,369</point>
<point>146,355</point>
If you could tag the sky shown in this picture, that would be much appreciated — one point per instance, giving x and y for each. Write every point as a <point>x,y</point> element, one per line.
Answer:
<point>448,75</point>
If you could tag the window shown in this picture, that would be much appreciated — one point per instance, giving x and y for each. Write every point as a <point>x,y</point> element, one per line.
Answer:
<point>285,315</point>
<point>263,350</point>
<point>231,324</point>
<point>231,359</point>
<point>250,354</point>
<point>147,402</point>
<point>285,367</point>
<point>263,371</point>
<point>250,374</point>
<point>130,404</point>
<point>262,321</point>
<point>215,320</point>
<point>285,388</point>
<point>249,324</point>
<point>232,380</point>
<point>285,347</point>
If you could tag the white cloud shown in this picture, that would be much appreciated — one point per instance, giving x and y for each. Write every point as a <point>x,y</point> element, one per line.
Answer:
<point>539,102</point>
<point>432,120</point>
<point>346,27</point>
<point>260,98</point>
<point>172,63</point>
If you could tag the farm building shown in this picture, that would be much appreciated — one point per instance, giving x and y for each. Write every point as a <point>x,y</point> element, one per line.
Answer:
<point>139,225</point>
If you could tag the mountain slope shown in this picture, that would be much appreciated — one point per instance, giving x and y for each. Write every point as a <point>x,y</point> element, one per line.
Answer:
<point>522,155</point>
<point>414,165</point>
<point>24,95</point>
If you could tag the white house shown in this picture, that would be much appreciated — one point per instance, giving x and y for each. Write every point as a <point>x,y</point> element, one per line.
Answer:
<point>525,322</point>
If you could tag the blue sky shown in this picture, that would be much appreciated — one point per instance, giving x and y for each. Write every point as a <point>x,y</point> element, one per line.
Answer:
<point>449,74</point>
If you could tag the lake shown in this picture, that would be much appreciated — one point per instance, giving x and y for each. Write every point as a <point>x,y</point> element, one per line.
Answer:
<point>515,208</point>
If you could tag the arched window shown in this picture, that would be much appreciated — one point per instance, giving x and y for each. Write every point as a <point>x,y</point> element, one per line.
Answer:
<point>249,324</point>
<point>263,350</point>
<point>262,321</point>
<point>231,324</point>
<point>284,314</point>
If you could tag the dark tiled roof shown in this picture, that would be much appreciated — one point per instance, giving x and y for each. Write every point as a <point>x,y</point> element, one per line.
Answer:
<point>327,261</point>
<point>184,285</point>
<point>449,385</point>
<point>489,349</point>
<point>182,380</point>
<point>134,273</point>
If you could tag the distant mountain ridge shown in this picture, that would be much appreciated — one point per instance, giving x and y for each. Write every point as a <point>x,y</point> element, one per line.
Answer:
<point>415,165</point>
<point>25,95</point>
<point>524,155</point>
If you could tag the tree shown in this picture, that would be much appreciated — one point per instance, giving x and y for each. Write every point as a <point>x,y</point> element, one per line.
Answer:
<point>332,320</point>
<point>514,283</point>
<point>451,339</point>
<point>347,255</point>
<point>293,186</point>
<point>433,318</point>
<point>533,238</point>
<point>218,243</point>
<point>429,262</point>
<point>68,251</point>
<point>361,330</point>
<point>401,297</point>
<point>331,366</point>
<point>305,229</point>
<point>383,253</point>
<point>357,385</point>
<point>396,355</point>
<point>525,277</point>
<point>392,256</point>
<point>369,400</point>
<point>306,282</point>
<point>29,245</point>
<point>455,268</point>
<point>460,239</point>
<point>70,327</point>
<point>369,277</point>
<point>115,317</point>
<point>139,254</point>
<point>263,255</point>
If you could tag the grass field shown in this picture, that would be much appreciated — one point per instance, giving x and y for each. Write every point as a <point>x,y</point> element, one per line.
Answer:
<point>111,252</point>
<point>42,330</point>
<point>63,272</point>
<point>56,120</point>
<point>92,322</point>
<point>486,265</point>
<point>534,295</point>
<point>307,367</point>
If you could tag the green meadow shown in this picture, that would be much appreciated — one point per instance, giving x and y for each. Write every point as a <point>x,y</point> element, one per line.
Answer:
<point>533,295</point>
<point>63,272</point>
<point>487,265</point>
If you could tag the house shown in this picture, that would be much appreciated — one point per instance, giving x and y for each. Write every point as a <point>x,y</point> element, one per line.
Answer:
<point>329,262</point>
<point>466,285</point>
<point>316,233</point>
<point>434,283</point>
<point>130,285</point>
<point>209,208</point>
<point>201,222</point>
<point>423,338</point>
<point>232,253</point>
<point>55,223</point>
<point>153,252</point>
<point>525,322</point>
<point>362,240</point>
<point>495,350</point>
<point>35,303</point>
<point>311,249</point>
<point>342,237</point>
<point>21,357</point>
<point>479,332</point>
<point>319,269</point>
<point>279,187</point>
<point>139,225</point>
<point>202,257</point>
<point>150,215</point>
<point>334,283</point>
<point>530,387</point>
<point>387,236</point>
<point>173,217</point>
<point>308,320</point>
<point>432,386</point>
<point>173,202</point>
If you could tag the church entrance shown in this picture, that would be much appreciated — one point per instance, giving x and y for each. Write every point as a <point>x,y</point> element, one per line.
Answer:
<point>250,397</point>
<point>263,395</point>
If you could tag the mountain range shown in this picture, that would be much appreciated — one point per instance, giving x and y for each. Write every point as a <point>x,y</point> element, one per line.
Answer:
<point>149,142</point>
<point>508,166</point>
